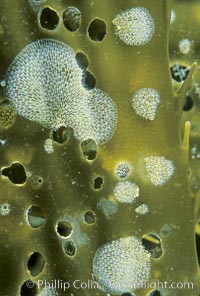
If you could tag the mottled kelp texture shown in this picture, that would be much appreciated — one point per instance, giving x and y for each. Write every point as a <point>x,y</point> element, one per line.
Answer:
<point>108,196</point>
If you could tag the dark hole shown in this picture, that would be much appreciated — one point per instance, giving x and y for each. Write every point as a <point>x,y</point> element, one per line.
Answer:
<point>60,135</point>
<point>89,149</point>
<point>64,228</point>
<point>152,243</point>
<point>72,18</point>
<point>15,173</point>
<point>70,248</point>
<point>49,19</point>
<point>155,293</point>
<point>40,180</point>
<point>179,72</point>
<point>98,182</point>
<point>90,217</point>
<point>188,103</point>
<point>82,60</point>
<point>36,217</point>
<point>29,288</point>
<point>127,294</point>
<point>198,240</point>
<point>37,181</point>
<point>97,30</point>
<point>88,80</point>
<point>36,264</point>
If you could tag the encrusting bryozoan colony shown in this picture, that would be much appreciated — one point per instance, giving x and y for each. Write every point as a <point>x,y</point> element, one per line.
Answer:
<point>122,170</point>
<point>145,102</point>
<point>142,209</point>
<point>44,82</point>
<point>185,45</point>
<point>48,292</point>
<point>134,26</point>
<point>4,209</point>
<point>48,146</point>
<point>122,265</point>
<point>126,192</point>
<point>159,169</point>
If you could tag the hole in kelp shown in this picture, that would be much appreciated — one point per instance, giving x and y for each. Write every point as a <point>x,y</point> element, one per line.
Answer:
<point>97,30</point>
<point>60,135</point>
<point>49,19</point>
<point>98,183</point>
<point>89,149</point>
<point>179,72</point>
<point>64,229</point>
<point>70,248</point>
<point>90,217</point>
<point>88,80</point>
<point>35,217</point>
<point>29,288</point>
<point>82,60</point>
<point>189,103</point>
<point>36,263</point>
<point>152,243</point>
<point>15,173</point>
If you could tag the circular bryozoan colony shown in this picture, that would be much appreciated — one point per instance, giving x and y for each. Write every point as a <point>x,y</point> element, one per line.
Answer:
<point>122,265</point>
<point>48,146</point>
<point>142,209</point>
<point>48,292</point>
<point>185,45</point>
<point>122,170</point>
<point>5,209</point>
<point>145,102</point>
<point>134,26</point>
<point>159,169</point>
<point>126,192</point>
<point>44,82</point>
<point>72,18</point>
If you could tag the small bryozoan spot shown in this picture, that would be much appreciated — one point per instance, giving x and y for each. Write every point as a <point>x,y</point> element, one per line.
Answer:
<point>185,45</point>
<point>126,192</point>
<point>72,18</point>
<point>5,209</point>
<point>143,209</point>
<point>159,169</point>
<point>122,170</point>
<point>134,26</point>
<point>145,102</point>
<point>48,146</point>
